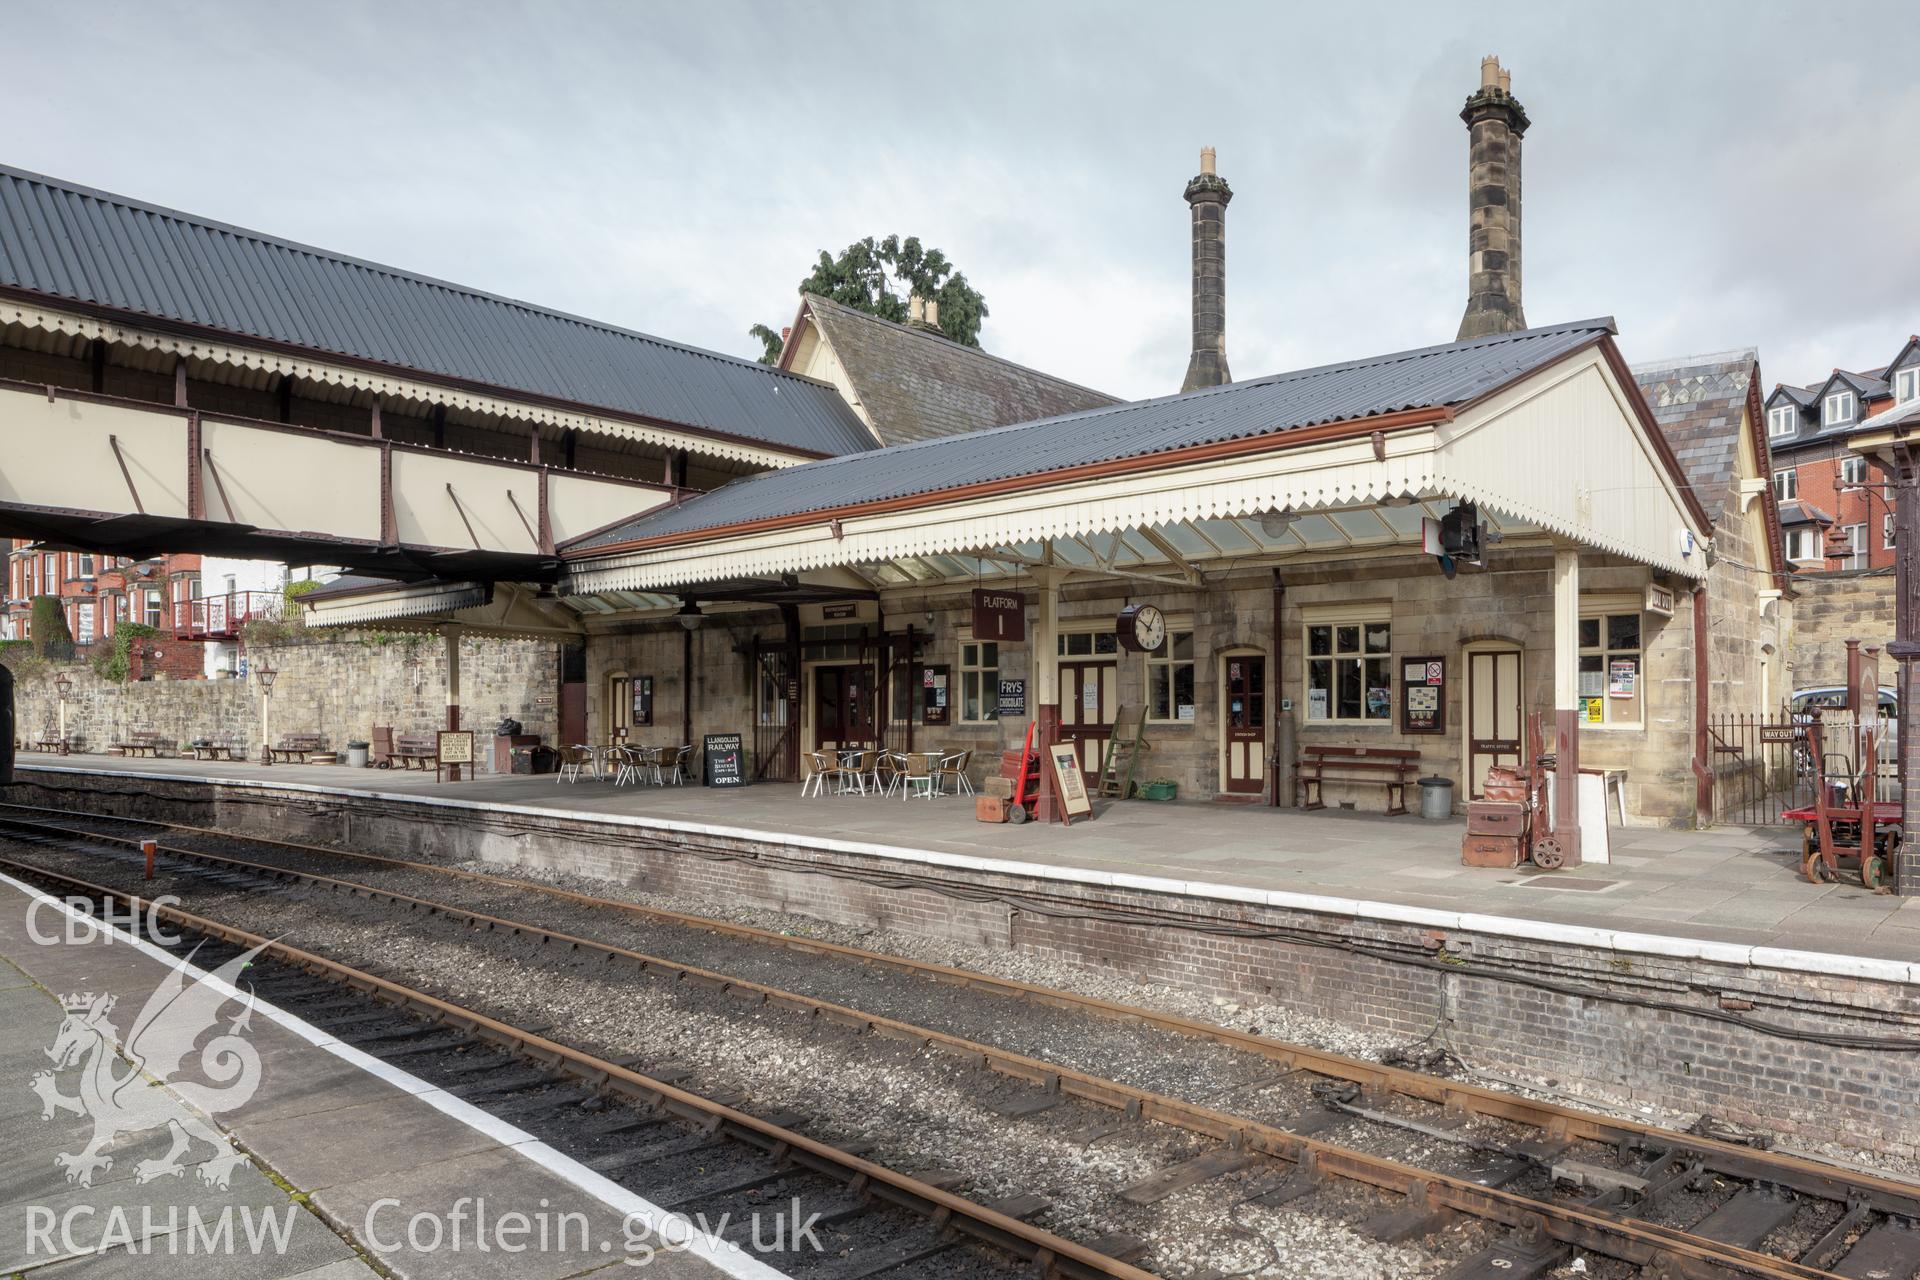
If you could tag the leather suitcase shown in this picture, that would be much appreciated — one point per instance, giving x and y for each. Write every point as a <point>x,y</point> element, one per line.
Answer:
<point>1486,818</point>
<point>1490,851</point>
<point>990,808</point>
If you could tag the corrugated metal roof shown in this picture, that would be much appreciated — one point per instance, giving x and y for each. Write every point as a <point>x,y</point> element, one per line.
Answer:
<point>1425,378</point>
<point>71,242</point>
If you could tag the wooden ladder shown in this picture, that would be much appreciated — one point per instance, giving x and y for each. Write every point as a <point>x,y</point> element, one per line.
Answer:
<point>1123,752</point>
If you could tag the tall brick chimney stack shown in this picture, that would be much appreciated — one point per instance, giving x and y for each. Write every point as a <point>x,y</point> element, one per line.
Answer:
<point>1208,194</point>
<point>1495,124</point>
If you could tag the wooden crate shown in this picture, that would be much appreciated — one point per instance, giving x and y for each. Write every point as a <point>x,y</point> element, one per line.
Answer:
<point>1487,818</point>
<point>990,808</point>
<point>1490,851</point>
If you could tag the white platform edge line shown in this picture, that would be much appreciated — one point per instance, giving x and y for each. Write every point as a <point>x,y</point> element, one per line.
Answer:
<point>725,1257</point>
<point>1666,945</point>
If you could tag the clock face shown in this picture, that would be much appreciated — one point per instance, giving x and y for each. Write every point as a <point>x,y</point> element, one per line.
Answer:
<point>1149,628</point>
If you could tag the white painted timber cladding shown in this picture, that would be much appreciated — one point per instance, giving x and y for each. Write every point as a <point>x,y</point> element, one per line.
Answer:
<point>401,602</point>
<point>579,505</point>
<point>289,481</point>
<point>389,387</point>
<point>1565,451</point>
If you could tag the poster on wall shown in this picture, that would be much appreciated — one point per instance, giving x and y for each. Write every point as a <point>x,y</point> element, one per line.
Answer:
<point>933,694</point>
<point>1593,683</point>
<point>1013,698</point>
<point>1623,676</point>
<point>1595,709</point>
<point>1423,695</point>
<point>1316,704</point>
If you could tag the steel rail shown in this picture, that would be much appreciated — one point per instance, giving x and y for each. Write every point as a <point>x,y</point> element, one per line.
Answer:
<point>1053,1254</point>
<point>1596,1229</point>
<point>1810,1177</point>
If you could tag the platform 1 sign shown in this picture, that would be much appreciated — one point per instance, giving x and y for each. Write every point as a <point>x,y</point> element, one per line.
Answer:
<point>724,760</point>
<point>999,615</point>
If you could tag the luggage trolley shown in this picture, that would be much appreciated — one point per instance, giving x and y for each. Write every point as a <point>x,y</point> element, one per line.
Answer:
<point>1848,826</point>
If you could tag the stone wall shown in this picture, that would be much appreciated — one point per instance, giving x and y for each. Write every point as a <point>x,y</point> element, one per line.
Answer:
<point>1510,600</point>
<point>1832,609</point>
<point>339,685</point>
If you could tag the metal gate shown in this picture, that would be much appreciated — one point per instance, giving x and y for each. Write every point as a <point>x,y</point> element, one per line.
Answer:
<point>776,719</point>
<point>1763,765</point>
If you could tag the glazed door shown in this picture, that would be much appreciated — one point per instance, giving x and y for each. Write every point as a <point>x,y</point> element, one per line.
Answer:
<point>1243,705</point>
<point>1087,702</point>
<point>842,707</point>
<point>1493,713</point>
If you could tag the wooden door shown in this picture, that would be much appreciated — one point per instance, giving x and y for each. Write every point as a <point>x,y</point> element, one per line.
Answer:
<point>1087,703</point>
<point>1243,718</point>
<point>573,695</point>
<point>1494,716</point>
<point>842,707</point>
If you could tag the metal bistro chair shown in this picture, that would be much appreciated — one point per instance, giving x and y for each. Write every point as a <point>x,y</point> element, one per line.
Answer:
<point>921,771</point>
<point>825,768</point>
<point>953,769</point>
<point>860,766</point>
<point>631,764</point>
<point>887,768</point>
<point>572,759</point>
<point>677,767</point>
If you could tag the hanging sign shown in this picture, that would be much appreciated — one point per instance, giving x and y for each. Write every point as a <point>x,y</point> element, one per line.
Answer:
<point>837,612</point>
<point>725,760</point>
<point>1069,784</point>
<point>999,615</point>
<point>1659,600</point>
<point>1013,698</point>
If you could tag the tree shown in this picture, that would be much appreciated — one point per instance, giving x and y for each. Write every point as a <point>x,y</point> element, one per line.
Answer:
<point>879,276</point>
<point>52,639</point>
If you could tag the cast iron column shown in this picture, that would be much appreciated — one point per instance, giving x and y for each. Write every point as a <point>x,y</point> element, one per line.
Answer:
<point>1905,650</point>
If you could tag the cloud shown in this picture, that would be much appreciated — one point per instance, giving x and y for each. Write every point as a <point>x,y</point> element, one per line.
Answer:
<point>1711,174</point>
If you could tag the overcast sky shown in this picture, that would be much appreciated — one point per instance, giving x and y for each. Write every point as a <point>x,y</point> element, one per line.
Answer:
<point>1712,175</point>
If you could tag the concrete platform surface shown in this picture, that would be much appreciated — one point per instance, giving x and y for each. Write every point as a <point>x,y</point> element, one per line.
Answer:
<point>339,1157</point>
<point>1733,890</point>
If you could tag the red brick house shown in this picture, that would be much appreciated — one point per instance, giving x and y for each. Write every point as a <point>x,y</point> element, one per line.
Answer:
<point>97,594</point>
<point>1818,481</point>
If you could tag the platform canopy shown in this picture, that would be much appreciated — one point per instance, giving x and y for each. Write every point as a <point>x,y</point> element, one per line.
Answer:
<point>1544,429</point>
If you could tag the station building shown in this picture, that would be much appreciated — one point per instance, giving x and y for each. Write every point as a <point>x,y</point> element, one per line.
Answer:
<point>794,553</point>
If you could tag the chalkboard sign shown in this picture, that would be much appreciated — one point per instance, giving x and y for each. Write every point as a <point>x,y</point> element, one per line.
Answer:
<point>725,760</point>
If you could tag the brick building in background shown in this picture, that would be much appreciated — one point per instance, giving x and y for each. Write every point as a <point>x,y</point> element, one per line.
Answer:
<point>1818,481</point>
<point>97,594</point>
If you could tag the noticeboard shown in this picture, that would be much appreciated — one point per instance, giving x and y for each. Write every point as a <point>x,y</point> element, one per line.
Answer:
<point>455,746</point>
<point>1068,782</point>
<point>723,760</point>
<point>1423,695</point>
<point>935,694</point>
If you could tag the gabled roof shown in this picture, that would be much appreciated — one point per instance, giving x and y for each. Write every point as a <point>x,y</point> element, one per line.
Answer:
<point>1864,385</point>
<point>1426,378</point>
<point>74,244</point>
<point>1700,403</point>
<point>918,384</point>
<point>1800,396</point>
<point>1909,354</point>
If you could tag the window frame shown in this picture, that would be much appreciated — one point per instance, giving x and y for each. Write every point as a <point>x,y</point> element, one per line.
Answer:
<point>1856,557</point>
<point>1790,490</point>
<point>1362,618</point>
<point>974,670</point>
<point>1906,384</point>
<point>1828,416</point>
<point>1802,531</point>
<point>1853,470</point>
<point>1165,660</point>
<point>1603,612</point>
<point>1886,532</point>
<point>1777,416</point>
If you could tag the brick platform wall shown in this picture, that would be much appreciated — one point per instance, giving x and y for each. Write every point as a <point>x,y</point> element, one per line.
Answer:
<point>1488,996</point>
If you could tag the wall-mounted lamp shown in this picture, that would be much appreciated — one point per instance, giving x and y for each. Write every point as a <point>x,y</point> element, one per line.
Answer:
<point>690,616</point>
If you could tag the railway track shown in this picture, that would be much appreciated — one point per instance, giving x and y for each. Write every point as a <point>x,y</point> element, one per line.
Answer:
<point>1547,1178</point>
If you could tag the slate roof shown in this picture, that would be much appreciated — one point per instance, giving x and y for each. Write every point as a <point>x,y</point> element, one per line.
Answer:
<point>1700,403</point>
<point>1452,374</point>
<point>73,243</point>
<point>1797,512</point>
<point>916,384</point>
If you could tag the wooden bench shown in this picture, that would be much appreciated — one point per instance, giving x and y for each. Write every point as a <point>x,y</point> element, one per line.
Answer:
<point>1392,767</point>
<point>143,742</point>
<point>295,748</point>
<point>223,747</point>
<point>417,751</point>
<point>51,745</point>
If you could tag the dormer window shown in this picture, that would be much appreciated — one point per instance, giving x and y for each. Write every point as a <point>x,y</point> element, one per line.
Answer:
<point>1838,409</point>
<point>1780,421</point>
<point>1906,385</point>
